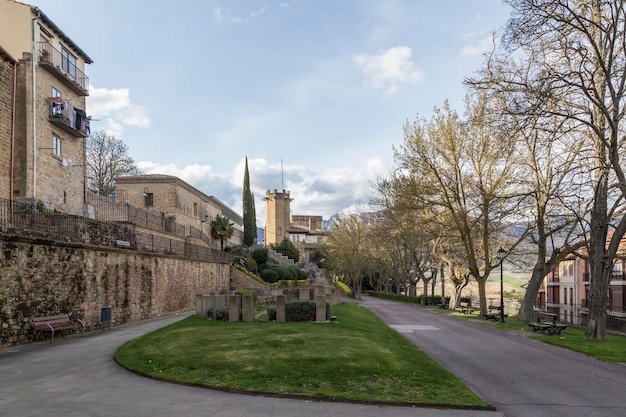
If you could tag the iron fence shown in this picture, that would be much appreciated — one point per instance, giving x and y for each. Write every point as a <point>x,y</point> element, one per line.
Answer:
<point>33,220</point>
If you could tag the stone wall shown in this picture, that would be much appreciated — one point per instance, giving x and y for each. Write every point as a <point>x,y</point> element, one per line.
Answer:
<point>39,278</point>
<point>6,115</point>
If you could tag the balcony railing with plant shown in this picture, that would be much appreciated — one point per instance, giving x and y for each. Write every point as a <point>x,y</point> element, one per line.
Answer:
<point>53,60</point>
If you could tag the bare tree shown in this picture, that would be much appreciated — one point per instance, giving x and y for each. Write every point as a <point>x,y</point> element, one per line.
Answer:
<point>107,159</point>
<point>349,249</point>
<point>461,168</point>
<point>575,53</point>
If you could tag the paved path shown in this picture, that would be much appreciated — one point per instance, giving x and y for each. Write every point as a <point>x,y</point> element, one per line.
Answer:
<point>519,376</point>
<point>78,377</point>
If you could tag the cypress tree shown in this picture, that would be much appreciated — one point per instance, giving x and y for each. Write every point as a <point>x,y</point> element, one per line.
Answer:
<point>249,212</point>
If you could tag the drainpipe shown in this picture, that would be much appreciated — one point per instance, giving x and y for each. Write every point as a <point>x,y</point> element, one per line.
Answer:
<point>13,108</point>
<point>34,102</point>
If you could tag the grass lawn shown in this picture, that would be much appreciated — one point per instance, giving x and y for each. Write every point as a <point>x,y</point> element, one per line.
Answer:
<point>612,348</point>
<point>357,358</point>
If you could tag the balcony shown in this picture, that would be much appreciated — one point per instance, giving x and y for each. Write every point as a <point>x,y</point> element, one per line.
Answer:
<point>69,119</point>
<point>61,67</point>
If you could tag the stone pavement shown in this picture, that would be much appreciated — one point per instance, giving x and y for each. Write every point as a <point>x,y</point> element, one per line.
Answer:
<point>78,377</point>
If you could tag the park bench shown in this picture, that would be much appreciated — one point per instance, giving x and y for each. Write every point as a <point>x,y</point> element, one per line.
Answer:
<point>466,308</point>
<point>493,313</point>
<point>55,323</point>
<point>550,327</point>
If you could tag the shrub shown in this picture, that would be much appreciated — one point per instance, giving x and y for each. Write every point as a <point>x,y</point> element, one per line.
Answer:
<point>250,274</point>
<point>260,255</point>
<point>344,288</point>
<point>252,265</point>
<point>298,311</point>
<point>220,314</point>
<point>240,260</point>
<point>269,275</point>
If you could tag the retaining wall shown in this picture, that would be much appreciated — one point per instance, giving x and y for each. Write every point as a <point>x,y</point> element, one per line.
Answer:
<point>39,278</point>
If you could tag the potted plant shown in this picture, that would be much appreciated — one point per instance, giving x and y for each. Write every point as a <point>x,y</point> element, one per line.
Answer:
<point>44,55</point>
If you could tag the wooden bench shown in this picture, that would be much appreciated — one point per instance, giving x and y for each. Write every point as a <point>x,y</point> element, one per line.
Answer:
<point>466,308</point>
<point>550,327</point>
<point>493,313</point>
<point>55,323</point>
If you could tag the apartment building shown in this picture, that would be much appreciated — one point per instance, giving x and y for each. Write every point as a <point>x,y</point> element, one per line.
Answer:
<point>44,120</point>
<point>179,202</point>
<point>565,290</point>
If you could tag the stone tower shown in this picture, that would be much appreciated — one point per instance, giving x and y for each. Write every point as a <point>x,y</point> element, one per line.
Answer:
<point>278,216</point>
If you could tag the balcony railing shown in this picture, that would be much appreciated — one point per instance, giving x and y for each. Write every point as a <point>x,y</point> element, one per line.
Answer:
<point>72,120</point>
<point>63,68</point>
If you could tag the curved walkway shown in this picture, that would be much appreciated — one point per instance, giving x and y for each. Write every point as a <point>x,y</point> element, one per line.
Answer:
<point>521,377</point>
<point>78,377</point>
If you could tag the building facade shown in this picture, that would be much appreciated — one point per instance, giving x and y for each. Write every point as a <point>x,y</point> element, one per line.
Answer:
<point>179,202</point>
<point>565,290</point>
<point>304,231</point>
<point>45,136</point>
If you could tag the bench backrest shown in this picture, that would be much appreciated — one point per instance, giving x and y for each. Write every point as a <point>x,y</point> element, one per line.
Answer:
<point>464,304</point>
<point>57,319</point>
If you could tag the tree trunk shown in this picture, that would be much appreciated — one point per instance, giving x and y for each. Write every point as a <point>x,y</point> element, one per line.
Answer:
<point>482,295</point>
<point>525,314</point>
<point>598,297</point>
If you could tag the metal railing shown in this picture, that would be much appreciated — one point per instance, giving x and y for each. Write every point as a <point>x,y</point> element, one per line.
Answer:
<point>48,55</point>
<point>33,220</point>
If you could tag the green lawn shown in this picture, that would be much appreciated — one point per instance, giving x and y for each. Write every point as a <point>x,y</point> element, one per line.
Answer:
<point>612,348</point>
<point>357,358</point>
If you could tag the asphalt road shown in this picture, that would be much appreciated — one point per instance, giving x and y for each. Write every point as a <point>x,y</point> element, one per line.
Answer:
<point>519,376</point>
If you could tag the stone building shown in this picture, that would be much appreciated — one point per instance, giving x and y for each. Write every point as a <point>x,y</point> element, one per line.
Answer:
<point>179,202</point>
<point>42,134</point>
<point>304,231</point>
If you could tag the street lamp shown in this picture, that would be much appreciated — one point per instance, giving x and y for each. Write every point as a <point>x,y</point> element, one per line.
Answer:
<point>501,253</point>
<point>433,275</point>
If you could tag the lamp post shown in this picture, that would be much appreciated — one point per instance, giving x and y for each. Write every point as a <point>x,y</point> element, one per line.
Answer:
<point>433,276</point>
<point>501,253</point>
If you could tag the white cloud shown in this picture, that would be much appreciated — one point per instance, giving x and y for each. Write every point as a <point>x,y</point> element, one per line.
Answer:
<point>477,44</point>
<point>115,108</point>
<point>220,15</point>
<point>390,68</point>
<point>259,12</point>
<point>315,193</point>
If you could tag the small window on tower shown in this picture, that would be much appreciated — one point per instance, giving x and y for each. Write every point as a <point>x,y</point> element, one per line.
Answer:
<point>149,199</point>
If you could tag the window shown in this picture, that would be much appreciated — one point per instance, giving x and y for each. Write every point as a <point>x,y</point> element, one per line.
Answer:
<point>567,268</point>
<point>55,93</point>
<point>195,209</point>
<point>68,62</point>
<point>56,146</point>
<point>148,199</point>
<point>618,268</point>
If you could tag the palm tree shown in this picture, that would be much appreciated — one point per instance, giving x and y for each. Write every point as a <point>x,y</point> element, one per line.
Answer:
<point>222,229</point>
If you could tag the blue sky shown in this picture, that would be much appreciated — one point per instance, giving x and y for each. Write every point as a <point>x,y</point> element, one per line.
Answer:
<point>193,87</point>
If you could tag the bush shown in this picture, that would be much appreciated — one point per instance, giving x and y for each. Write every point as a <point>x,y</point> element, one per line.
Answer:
<point>260,255</point>
<point>269,275</point>
<point>252,265</point>
<point>220,314</point>
<point>241,261</point>
<point>344,288</point>
<point>298,311</point>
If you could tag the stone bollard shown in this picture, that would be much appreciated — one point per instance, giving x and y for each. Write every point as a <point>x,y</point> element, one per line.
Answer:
<point>320,308</point>
<point>199,311</point>
<point>247,309</point>
<point>234,307</point>
<point>280,308</point>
